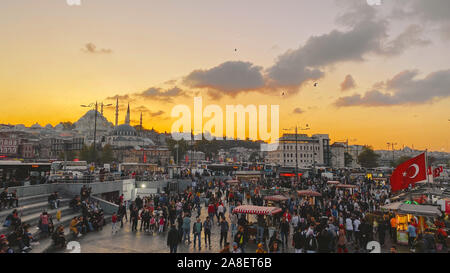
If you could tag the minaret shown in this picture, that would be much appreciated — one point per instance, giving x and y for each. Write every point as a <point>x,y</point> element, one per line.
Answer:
<point>117,111</point>
<point>127,118</point>
<point>101,107</point>
<point>140,123</point>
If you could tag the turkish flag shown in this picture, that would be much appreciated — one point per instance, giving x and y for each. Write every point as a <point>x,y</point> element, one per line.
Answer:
<point>436,172</point>
<point>409,172</point>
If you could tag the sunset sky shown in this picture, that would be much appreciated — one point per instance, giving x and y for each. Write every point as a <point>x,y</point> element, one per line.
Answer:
<point>383,72</point>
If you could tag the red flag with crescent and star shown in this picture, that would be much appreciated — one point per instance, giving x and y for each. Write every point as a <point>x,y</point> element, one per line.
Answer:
<point>409,172</point>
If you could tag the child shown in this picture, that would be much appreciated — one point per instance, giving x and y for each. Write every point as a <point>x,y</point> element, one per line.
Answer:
<point>161,224</point>
<point>58,215</point>
<point>114,221</point>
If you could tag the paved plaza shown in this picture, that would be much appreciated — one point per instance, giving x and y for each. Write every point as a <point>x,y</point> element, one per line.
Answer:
<point>126,241</point>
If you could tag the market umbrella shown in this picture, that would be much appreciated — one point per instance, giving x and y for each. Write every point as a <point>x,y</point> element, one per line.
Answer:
<point>276,198</point>
<point>346,186</point>
<point>308,193</point>
<point>258,210</point>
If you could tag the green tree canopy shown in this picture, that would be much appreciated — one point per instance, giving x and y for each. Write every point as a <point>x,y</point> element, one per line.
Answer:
<point>368,158</point>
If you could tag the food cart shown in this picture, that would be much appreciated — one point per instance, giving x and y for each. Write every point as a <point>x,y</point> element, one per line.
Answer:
<point>422,215</point>
<point>257,210</point>
<point>309,195</point>
<point>275,199</point>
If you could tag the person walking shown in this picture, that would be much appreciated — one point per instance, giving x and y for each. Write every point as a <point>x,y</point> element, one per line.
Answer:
<point>411,235</point>
<point>173,239</point>
<point>197,230</point>
<point>207,226</point>
<point>223,231</point>
<point>186,229</point>
<point>113,223</point>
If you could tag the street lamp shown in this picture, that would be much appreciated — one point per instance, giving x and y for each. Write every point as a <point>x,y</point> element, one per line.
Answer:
<point>91,105</point>
<point>296,148</point>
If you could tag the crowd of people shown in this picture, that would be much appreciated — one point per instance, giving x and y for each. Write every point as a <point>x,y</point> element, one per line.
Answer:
<point>340,220</point>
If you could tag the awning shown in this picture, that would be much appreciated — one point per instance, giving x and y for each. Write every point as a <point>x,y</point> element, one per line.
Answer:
<point>392,206</point>
<point>419,210</point>
<point>276,198</point>
<point>256,210</point>
<point>334,182</point>
<point>232,181</point>
<point>308,193</point>
<point>346,186</point>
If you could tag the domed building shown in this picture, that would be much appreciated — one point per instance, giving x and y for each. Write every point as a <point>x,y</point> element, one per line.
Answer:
<point>125,135</point>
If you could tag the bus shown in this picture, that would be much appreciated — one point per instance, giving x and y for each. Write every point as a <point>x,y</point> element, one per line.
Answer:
<point>69,166</point>
<point>17,173</point>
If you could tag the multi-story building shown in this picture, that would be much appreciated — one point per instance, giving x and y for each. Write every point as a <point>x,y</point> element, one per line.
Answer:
<point>61,144</point>
<point>338,155</point>
<point>311,151</point>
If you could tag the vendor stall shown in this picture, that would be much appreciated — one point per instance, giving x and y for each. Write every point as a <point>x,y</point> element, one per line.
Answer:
<point>421,215</point>
<point>309,195</point>
<point>258,210</point>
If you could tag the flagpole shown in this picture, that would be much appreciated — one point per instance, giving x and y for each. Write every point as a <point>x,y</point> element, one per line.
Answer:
<point>426,163</point>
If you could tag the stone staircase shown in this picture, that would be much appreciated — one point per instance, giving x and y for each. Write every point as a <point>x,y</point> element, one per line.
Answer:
<point>30,209</point>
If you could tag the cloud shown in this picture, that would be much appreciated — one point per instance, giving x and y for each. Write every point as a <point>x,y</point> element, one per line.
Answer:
<point>365,34</point>
<point>348,83</point>
<point>156,93</point>
<point>229,77</point>
<point>120,97</point>
<point>157,114</point>
<point>403,89</point>
<point>298,111</point>
<point>92,49</point>
<point>412,36</point>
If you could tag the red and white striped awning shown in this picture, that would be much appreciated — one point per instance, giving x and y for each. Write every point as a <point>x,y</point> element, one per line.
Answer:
<point>256,210</point>
<point>232,181</point>
<point>276,198</point>
<point>308,193</point>
<point>346,186</point>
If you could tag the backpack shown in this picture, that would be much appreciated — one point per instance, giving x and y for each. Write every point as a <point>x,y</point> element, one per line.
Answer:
<point>311,242</point>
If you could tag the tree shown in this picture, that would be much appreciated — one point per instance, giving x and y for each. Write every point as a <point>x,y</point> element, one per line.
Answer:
<point>107,154</point>
<point>368,158</point>
<point>400,160</point>
<point>67,125</point>
<point>182,148</point>
<point>89,154</point>
<point>348,159</point>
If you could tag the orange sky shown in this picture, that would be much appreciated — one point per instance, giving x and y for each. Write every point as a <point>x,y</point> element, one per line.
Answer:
<point>45,73</point>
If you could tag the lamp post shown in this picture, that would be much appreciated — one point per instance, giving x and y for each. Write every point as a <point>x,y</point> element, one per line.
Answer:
<point>95,124</point>
<point>296,148</point>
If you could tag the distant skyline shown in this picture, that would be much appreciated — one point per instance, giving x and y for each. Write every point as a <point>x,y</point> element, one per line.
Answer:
<point>382,72</point>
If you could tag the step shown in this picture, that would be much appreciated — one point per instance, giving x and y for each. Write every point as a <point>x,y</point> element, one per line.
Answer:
<point>65,221</point>
<point>33,199</point>
<point>33,219</point>
<point>46,244</point>
<point>32,208</point>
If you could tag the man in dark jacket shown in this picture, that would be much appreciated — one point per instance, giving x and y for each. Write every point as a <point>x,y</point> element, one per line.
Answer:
<point>298,241</point>
<point>173,238</point>
<point>223,231</point>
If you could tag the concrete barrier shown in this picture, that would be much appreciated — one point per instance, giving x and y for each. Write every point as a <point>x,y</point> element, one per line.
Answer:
<point>25,191</point>
<point>108,207</point>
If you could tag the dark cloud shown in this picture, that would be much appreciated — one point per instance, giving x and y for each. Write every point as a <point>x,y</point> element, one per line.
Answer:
<point>120,97</point>
<point>365,34</point>
<point>403,89</point>
<point>298,111</point>
<point>92,49</point>
<point>229,77</point>
<point>348,83</point>
<point>160,94</point>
